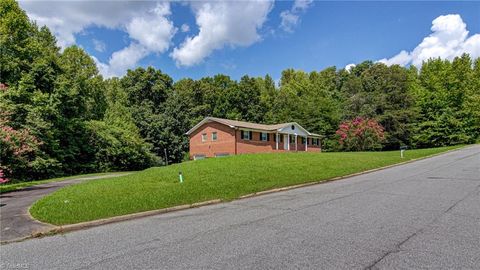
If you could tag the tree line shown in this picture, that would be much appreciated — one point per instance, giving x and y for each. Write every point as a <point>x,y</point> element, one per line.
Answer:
<point>59,116</point>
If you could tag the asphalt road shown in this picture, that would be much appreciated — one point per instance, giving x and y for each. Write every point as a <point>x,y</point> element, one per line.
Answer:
<point>422,215</point>
<point>15,222</point>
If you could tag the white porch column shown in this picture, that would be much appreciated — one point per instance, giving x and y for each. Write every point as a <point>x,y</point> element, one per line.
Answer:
<point>288,142</point>
<point>306,143</point>
<point>276,140</point>
<point>296,143</point>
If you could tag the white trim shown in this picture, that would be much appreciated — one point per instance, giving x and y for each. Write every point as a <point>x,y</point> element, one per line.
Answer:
<point>287,140</point>
<point>205,120</point>
<point>276,140</point>
<point>298,129</point>
<point>261,136</point>
<point>248,132</point>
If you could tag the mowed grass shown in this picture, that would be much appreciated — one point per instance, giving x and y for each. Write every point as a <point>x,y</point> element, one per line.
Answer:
<point>8,187</point>
<point>224,178</point>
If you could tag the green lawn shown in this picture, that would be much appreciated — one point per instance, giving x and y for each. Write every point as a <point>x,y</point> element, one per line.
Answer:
<point>217,178</point>
<point>7,187</point>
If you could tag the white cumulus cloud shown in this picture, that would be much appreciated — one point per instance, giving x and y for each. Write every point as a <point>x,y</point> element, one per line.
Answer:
<point>154,30</point>
<point>290,18</point>
<point>185,28</point>
<point>146,22</point>
<point>349,67</point>
<point>67,18</point>
<point>402,59</point>
<point>99,45</point>
<point>222,23</point>
<point>122,60</point>
<point>449,38</point>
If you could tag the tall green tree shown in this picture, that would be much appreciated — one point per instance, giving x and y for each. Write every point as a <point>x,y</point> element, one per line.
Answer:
<point>377,91</point>
<point>147,91</point>
<point>115,140</point>
<point>443,119</point>
<point>268,95</point>
<point>28,68</point>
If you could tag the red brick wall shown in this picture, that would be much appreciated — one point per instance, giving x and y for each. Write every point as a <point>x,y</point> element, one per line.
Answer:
<point>225,142</point>
<point>255,145</point>
<point>311,147</point>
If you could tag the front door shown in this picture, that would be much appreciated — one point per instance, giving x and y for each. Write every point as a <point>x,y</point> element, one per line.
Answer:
<point>285,142</point>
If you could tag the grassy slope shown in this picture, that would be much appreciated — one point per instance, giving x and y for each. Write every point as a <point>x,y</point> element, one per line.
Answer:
<point>221,178</point>
<point>7,187</point>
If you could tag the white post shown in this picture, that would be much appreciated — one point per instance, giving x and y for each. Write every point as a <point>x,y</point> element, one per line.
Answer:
<point>306,143</point>
<point>288,142</point>
<point>276,141</point>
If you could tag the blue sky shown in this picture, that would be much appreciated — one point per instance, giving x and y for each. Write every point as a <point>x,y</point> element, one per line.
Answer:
<point>256,41</point>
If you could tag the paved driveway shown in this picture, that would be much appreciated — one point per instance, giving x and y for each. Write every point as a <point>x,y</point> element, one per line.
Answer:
<point>15,221</point>
<point>422,215</point>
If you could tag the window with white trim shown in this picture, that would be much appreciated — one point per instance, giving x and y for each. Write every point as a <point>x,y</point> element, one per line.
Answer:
<point>246,135</point>
<point>264,137</point>
<point>214,136</point>
<point>204,137</point>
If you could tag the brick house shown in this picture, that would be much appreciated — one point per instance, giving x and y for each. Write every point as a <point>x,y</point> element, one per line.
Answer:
<point>213,137</point>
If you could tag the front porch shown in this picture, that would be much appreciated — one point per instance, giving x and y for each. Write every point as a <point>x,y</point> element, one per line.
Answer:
<point>294,142</point>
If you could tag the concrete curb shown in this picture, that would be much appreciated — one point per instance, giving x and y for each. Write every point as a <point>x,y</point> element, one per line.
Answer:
<point>99,222</point>
<point>88,224</point>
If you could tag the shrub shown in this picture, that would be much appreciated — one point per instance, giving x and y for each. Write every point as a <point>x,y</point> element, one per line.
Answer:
<point>3,179</point>
<point>116,148</point>
<point>360,134</point>
<point>18,149</point>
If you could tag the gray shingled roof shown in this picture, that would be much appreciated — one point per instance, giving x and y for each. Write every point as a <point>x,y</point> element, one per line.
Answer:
<point>243,124</point>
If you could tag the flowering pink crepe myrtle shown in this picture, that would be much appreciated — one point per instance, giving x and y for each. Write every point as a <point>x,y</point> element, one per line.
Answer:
<point>360,134</point>
<point>17,147</point>
<point>3,179</point>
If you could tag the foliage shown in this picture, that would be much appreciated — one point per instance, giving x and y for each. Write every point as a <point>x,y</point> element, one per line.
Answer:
<point>447,112</point>
<point>3,178</point>
<point>118,149</point>
<point>17,148</point>
<point>381,92</point>
<point>360,134</point>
